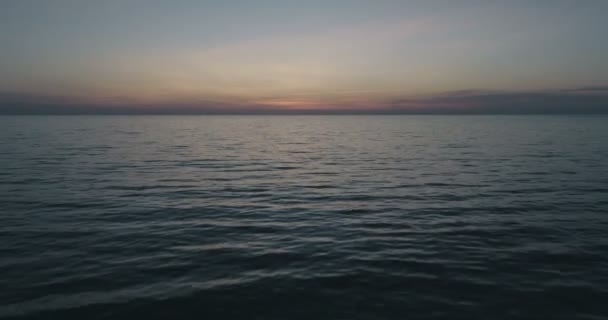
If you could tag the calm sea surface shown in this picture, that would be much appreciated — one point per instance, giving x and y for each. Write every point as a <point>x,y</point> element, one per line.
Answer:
<point>304,217</point>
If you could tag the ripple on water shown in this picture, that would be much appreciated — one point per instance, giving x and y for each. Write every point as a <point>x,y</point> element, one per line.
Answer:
<point>306,217</point>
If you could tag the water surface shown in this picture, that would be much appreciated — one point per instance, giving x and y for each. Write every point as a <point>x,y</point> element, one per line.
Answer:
<point>304,217</point>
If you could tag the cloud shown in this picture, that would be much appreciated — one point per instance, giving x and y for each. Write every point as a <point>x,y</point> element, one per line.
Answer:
<point>598,89</point>
<point>24,104</point>
<point>583,100</point>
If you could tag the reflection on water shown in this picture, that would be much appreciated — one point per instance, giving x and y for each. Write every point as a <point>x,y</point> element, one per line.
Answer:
<point>329,217</point>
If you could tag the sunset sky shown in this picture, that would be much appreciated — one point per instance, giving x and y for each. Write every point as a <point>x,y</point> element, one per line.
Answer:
<point>189,56</point>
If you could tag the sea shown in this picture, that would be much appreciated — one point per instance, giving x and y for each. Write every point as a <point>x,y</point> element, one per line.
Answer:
<point>304,217</point>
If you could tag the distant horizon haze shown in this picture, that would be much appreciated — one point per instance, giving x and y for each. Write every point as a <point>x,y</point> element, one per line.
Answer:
<point>571,101</point>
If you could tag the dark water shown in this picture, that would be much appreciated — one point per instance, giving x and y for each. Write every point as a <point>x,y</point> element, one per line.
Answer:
<point>304,217</point>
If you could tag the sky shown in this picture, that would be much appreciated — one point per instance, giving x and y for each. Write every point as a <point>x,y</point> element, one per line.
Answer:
<point>314,56</point>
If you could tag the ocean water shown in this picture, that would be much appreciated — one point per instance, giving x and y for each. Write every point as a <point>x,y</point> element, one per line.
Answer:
<point>304,217</point>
